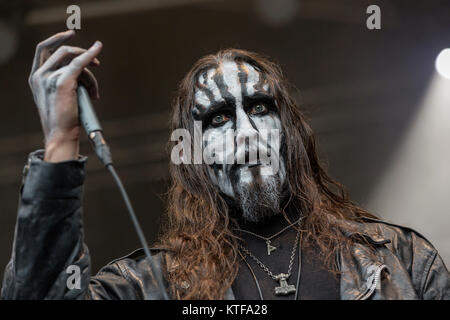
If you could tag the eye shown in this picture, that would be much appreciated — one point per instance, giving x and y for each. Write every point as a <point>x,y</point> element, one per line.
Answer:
<point>219,119</point>
<point>258,108</point>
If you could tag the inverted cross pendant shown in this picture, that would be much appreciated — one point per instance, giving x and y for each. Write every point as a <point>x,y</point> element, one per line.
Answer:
<point>284,288</point>
<point>270,248</point>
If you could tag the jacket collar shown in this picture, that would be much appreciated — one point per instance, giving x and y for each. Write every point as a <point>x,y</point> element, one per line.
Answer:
<point>365,229</point>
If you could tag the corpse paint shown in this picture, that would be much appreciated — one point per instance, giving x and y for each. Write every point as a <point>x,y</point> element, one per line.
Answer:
<point>235,96</point>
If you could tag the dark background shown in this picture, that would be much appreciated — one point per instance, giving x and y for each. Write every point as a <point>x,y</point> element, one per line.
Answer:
<point>361,89</point>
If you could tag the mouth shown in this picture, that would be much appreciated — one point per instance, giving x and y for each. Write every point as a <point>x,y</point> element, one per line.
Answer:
<point>245,165</point>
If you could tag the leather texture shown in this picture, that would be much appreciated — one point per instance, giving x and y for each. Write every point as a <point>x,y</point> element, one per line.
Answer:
<point>49,239</point>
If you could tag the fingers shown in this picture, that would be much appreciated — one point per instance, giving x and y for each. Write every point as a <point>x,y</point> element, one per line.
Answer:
<point>77,65</point>
<point>63,56</point>
<point>89,81</point>
<point>46,47</point>
<point>65,62</point>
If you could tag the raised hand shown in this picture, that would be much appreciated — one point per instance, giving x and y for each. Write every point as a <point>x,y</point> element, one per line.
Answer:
<point>54,77</point>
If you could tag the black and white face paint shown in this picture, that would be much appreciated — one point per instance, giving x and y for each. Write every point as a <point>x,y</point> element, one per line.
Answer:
<point>237,109</point>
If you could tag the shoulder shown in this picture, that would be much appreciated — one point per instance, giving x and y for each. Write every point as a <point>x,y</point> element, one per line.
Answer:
<point>130,277</point>
<point>408,245</point>
<point>398,236</point>
<point>138,257</point>
<point>136,269</point>
<point>411,248</point>
<point>378,232</point>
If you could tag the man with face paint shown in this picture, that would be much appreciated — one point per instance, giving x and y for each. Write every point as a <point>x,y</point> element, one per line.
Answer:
<point>253,216</point>
<point>234,103</point>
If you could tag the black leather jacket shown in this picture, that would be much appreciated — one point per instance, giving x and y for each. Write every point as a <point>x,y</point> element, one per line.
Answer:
<point>49,238</point>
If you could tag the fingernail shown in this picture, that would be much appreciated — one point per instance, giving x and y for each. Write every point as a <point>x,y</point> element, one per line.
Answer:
<point>97,43</point>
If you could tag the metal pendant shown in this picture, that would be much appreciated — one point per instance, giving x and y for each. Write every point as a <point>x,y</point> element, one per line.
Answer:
<point>270,248</point>
<point>284,288</point>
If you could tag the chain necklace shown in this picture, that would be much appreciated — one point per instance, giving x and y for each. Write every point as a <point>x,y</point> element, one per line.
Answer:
<point>270,247</point>
<point>284,288</point>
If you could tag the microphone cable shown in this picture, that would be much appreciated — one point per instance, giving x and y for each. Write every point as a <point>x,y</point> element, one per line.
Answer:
<point>95,134</point>
<point>138,229</point>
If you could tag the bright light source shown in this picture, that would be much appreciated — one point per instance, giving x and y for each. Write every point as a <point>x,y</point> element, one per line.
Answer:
<point>443,63</point>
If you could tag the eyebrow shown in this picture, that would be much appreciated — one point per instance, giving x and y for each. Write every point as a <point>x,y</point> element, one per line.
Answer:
<point>216,106</point>
<point>258,97</point>
<point>206,111</point>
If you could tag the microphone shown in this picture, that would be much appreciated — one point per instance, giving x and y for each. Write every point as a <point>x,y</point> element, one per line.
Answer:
<point>94,131</point>
<point>91,125</point>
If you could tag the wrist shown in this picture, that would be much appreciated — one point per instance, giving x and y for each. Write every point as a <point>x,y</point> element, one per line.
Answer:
<point>57,150</point>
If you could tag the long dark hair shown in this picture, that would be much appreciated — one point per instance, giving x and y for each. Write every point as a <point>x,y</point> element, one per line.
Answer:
<point>203,262</point>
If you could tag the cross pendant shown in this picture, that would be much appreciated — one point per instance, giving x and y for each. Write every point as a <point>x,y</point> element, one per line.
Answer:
<point>270,248</point>
<point>284,288</point>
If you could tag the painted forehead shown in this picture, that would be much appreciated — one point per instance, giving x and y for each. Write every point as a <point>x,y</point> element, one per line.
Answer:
<point>229,83</point>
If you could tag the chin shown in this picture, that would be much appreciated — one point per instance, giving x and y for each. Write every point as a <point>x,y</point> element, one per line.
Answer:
<point>260,214</point>
<point>259,199</point>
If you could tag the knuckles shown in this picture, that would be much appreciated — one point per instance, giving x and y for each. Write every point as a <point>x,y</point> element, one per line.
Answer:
<point>50,82</point>
<point>40,46</point>
<point>67,49</point>
<point>34,80</point>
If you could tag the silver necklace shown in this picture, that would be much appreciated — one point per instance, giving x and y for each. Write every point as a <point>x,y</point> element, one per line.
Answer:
<point>284,288</point>
<point>270,247</point>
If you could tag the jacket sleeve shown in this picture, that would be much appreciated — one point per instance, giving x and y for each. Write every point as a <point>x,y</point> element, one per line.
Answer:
<point>49,259</point>
<point>437,280</point>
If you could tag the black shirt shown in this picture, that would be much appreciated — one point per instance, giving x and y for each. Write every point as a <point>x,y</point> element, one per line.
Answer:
<point>316,282</point>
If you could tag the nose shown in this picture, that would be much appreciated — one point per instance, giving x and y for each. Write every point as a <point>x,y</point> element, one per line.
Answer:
<point>244,131</point>
<point>244,127</point>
